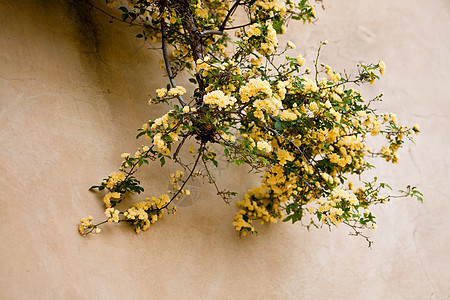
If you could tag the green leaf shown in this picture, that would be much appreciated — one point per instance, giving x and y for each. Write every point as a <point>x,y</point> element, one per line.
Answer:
<point>385,185</point>
<point>288,218</point>
<point>162,160</point>
<point>133,16</point>
<point>277,26</point>
<point>279,125</point>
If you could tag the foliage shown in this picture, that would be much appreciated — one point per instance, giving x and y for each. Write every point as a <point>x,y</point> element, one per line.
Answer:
<point>304,131</point>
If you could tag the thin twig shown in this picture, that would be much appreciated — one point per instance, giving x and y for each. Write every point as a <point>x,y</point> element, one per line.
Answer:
<point>209,32</point>
<point>115,18</point>
<point>316,62</point>
<point>95,226</point>
<point>200,152</point>
<point>359,233</point>
<point>167,62</point>
<point>229,14</point>
<point>177,151</point>
<point>211,180</point>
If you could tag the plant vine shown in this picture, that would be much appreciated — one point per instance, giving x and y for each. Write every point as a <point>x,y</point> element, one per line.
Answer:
<point>304,131</point>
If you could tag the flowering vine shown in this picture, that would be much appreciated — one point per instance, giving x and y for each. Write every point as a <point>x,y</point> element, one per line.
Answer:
<point>305,129</point>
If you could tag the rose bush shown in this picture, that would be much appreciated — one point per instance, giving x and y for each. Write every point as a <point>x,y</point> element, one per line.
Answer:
<point>304,129</point>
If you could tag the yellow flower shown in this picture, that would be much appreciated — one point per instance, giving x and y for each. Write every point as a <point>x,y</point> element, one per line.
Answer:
<point>218,98</point>
<point>107,199</point>
<point>177,91</point>
<point>111,3</point>
<point>283,156</point>
<point>253,30</point>
<point>335,78</point>
<point>329,70</point>
<point>288,115</point>
<point>255,87</point>
<point>202,13</point>
<point>264,146</point>
<point>313,106</point>
<point>256,62</point>
<point>301,60</point>
<point>382,67</point>
<point>394,119</point>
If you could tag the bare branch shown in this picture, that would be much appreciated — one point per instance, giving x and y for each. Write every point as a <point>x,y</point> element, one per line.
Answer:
<point>209,32</point>
<point>229,14</point>
<point>167,62</point>
<point>357,232</point>
<point>200,152</point>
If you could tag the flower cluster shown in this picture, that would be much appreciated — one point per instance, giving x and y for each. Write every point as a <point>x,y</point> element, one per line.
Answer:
<point>219,99</point>
<point>257,204</point>
<point>114,179</point>
<point>262,37</point>
<point>85,223</point>
<point>142,214</point>
<point>112,214</point>
<point>173,92</point>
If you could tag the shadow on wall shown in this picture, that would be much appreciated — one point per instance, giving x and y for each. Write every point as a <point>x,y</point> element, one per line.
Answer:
<point>111,56</point>
<point>115,65</point>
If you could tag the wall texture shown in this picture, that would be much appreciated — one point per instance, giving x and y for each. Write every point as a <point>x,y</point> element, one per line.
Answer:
<point>73,91</point>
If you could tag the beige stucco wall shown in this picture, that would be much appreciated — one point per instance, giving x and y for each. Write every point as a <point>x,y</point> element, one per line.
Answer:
<point>73,91</point>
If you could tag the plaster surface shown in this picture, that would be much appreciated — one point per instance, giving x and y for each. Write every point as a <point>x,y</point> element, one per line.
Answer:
<point>73,91</point>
